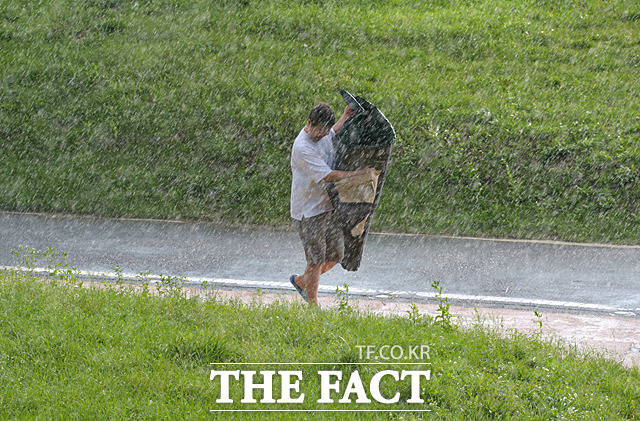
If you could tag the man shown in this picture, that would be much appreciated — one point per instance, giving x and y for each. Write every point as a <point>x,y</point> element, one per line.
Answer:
<point>311,166</point>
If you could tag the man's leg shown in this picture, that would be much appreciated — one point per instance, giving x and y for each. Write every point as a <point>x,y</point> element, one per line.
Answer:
<point>323,240</point>
<point>312,232</point>
<point>327,267</point>
<point>310,280</point>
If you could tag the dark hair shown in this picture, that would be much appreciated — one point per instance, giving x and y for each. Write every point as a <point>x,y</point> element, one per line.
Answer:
<point>322,115</point>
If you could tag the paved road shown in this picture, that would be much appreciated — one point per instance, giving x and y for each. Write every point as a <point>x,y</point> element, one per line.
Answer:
<point>495,272</point>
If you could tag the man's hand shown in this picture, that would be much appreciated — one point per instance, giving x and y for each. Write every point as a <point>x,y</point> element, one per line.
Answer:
<point>346,115</point>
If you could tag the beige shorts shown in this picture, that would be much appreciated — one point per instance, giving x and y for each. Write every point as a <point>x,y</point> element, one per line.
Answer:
<point>322,238</point>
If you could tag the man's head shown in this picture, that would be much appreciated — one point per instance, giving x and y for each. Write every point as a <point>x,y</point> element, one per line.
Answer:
<point>321,118</point>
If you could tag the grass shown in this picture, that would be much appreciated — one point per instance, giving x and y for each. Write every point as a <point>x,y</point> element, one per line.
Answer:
<point>513,119</point>
<point>68,352</point>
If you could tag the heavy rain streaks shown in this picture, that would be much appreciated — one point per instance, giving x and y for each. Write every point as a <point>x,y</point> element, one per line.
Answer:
<point>511,122</point>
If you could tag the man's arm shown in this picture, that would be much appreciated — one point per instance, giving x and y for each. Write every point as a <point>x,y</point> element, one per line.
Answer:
<point>337,175</point>
<point>346,115</point>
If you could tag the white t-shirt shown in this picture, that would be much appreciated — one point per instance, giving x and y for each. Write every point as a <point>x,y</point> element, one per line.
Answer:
<point>310,162</point>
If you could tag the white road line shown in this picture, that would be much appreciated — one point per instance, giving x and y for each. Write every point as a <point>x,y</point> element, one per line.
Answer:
<point>155,279</point>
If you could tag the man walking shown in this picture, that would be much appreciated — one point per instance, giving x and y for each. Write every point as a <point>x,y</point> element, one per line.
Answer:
<point>311,166</point>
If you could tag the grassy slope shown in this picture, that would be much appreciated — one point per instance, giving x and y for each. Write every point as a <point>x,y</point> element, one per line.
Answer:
<point>75,353</point>
<point>513,118</point>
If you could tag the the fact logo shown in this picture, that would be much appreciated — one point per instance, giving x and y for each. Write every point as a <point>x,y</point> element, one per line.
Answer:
<point>398,380</point>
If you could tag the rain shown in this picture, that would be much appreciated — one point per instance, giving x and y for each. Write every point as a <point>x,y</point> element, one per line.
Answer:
<point>152,139</point>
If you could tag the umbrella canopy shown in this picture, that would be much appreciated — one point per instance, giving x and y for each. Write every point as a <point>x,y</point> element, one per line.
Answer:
<point>366,139</point>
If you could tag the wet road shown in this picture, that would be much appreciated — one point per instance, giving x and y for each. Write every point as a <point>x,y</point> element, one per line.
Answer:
<point>500,271</point>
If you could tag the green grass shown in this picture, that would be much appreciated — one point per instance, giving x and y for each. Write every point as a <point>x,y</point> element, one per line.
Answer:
<point>68,352</point>
<point>515,119</point>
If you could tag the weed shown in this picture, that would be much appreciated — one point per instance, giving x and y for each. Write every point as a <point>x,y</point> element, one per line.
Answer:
<point>171,286</point>
<point>415,316</point>
<point>210,292</point>
<point>26,257</point>
<point>538,321</point>
<point>444,315</point>
<point>55,263</point>
<point>478,319</point>
<point>413,313</point>
<point>343,298</point>
<point>143,279</point>
<point>119,276</point>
